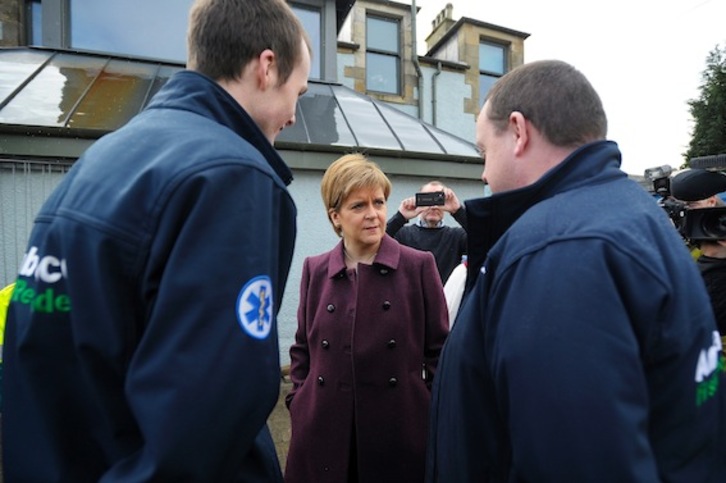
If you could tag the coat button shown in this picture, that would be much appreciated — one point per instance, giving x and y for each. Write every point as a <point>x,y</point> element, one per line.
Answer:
<point>391,343</point>
<point>386,305</point>
<point>384,271</point>
<point>321,381</point>
<point>325,344</point>
<point>392,382</point>
<point>330,308</point>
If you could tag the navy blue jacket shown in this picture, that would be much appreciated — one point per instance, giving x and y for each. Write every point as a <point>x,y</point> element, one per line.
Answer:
<point>586,349</point>
<point>142,339</point>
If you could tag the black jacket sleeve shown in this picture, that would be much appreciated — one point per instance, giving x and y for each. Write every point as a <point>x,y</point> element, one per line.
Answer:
<point>459,216</point>
<point>395,223</point>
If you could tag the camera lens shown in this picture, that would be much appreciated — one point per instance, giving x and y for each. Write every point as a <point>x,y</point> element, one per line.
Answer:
<point>714,225</point>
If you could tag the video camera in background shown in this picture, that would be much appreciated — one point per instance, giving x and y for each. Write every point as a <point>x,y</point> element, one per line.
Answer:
<point>705,179</point>
<point>659,176</point>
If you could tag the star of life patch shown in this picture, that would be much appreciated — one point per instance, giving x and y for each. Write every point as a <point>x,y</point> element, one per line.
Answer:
<point>254,307</point>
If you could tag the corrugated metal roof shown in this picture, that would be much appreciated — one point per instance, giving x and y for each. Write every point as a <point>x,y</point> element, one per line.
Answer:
<point>88,95</point>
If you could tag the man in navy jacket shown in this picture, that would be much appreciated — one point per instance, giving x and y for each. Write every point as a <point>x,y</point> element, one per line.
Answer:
<point>586,349</point>
<point>141,341</point>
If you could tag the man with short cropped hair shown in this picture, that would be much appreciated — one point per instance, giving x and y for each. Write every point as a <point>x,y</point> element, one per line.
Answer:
<point>585,349</point>
<point>141,340</point>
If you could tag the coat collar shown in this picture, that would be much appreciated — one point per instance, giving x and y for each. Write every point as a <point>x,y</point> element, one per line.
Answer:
<point>489,218</point>
<point>389,255</point>
<point>191,91</point>
<point>706,263</point>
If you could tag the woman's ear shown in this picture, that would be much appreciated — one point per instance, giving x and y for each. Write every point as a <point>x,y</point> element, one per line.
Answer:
<point>334,217</point>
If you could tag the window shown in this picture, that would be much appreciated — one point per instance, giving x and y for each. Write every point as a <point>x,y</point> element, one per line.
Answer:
<point>35,34</point>
<point>311,21</point>
<point>157,29</point>
<point>136,27</point>
<point>383,55</point>
<point>492,65</point>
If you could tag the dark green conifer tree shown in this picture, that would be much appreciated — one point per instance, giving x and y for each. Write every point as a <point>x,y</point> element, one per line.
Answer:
<point>709,110</point>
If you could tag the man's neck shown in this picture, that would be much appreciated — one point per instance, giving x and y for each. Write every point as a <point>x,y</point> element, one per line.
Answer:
<point>713,250</point>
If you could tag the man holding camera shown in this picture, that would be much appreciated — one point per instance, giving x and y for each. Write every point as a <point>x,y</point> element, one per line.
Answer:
<point>429,233</point>
<point>698,189</point>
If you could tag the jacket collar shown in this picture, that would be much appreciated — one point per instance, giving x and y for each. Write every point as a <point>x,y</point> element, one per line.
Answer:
<point>191,91</point>
<point>489,218</point>
<point>389,255</point>
<point>421,223</point>
<point>706,263</point>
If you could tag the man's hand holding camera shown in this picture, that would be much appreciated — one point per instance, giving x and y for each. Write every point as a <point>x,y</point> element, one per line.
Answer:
<point>429,232</point>
<point>429,201</point>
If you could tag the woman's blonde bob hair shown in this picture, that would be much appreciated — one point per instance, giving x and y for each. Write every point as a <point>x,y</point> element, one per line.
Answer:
<point>347,174</point>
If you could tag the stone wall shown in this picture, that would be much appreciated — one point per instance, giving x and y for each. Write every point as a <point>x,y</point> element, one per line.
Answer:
<point>11,26</point>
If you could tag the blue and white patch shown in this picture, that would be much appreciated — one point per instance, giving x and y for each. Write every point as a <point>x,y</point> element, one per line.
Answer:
<point>254,307</point>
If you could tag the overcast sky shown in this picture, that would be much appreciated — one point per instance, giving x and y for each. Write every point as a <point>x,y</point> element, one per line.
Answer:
<point>644,57</point>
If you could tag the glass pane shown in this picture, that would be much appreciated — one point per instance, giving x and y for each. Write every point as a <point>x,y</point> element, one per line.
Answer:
<point>298,132</point>
<point>454,145</point>
<point>382,34</point>
<point>319,120</point>
<point>115,96</point>
<point>155,29</point>
<point>363,117</point>
<point>16,66</point>
<point>382,73</point>
<point>51,96</point>
<point>485,83</point>
<point>491,58</point>
<point>36,23</point>
<point>409,130</point>
<point>324,118</point>
<point>311,22</point>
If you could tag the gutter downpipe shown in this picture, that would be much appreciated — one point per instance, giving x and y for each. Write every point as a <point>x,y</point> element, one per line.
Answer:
<point>416,65</point>
<point>433,93</point>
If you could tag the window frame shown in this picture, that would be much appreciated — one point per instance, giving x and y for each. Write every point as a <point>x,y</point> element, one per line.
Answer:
<point>33,22</point>
<point>505,49</point>
<point>396,55</point>
<point>319,55</point>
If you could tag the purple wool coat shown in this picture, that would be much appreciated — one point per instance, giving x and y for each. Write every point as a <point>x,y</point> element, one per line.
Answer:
<point>365,353</point>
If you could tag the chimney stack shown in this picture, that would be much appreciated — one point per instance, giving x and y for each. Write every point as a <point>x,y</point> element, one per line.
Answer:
<point>443,15</point>
<point>440,25</point>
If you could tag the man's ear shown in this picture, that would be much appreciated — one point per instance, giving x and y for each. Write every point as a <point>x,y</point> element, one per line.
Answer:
<point>266,72</point>
<point>520,130</point>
